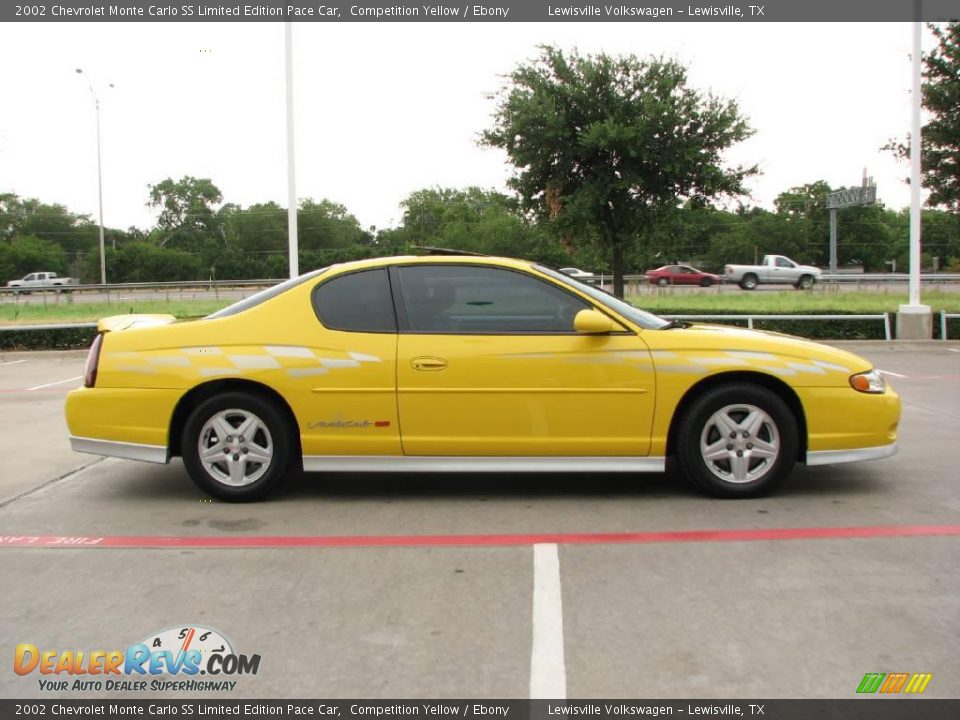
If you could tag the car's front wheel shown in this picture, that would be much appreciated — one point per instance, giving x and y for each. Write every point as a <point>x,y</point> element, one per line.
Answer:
<point>805,282</point>
<point>663,282</point>
<point>737,440</point>
<point>236,446</point>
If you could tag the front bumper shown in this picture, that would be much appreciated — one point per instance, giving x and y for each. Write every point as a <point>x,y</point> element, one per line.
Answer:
<point>836,457</point>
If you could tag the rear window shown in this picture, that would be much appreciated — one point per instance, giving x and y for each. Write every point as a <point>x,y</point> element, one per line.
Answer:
<point>357,302</point>
<point>264,295</point>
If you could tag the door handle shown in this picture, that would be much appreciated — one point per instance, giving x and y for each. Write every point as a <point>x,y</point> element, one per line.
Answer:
<point>428,363</point>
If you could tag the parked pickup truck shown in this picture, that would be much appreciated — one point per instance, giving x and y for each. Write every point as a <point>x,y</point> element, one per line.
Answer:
<point>42,281</point>
<point>774,269</point>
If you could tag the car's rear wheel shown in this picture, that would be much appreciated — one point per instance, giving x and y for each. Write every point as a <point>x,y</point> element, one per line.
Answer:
<point>749,282</point>
<point>236,446</point>
<point>663,282</point>
<point>737,440</point>
<point>805,282</point>
<point>706,282</point>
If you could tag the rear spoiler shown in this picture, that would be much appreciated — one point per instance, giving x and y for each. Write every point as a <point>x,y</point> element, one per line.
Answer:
<point>116,323</point>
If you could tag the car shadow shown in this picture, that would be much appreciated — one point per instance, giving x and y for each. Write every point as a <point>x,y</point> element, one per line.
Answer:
<point>480,486</point>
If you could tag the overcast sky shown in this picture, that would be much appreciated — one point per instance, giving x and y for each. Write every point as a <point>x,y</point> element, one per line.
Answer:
<point>385,109</point>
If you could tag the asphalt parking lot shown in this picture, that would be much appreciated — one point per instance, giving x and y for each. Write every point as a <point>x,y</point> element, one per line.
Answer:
<point>540,600</point>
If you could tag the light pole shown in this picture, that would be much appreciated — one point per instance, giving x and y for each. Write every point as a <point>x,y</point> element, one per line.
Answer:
<point>293,241</point>
<point>914,320</point>
<point>96,105</point>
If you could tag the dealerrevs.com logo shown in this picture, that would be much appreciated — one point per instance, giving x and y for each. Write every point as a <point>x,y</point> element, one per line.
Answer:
<point>894,683</point>
<point>169,660</point>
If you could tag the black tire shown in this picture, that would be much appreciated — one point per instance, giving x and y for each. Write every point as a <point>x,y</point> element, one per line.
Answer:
<point>698,428</point>
<point>663,282</point>
<point>706,282</point>
<point>749,282</point>
<point>272,438</point>
<point>805,282</point>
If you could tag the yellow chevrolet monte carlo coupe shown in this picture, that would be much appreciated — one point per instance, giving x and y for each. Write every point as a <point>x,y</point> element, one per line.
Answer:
<point>467,363</point>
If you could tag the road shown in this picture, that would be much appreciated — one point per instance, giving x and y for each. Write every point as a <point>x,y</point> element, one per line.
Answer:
<point>560,607</point>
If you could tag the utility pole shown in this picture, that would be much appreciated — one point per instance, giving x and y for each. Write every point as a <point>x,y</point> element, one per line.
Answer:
<point>293,241</point>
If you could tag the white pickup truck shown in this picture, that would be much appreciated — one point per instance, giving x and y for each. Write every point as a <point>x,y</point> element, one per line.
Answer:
<point>774,269</point>
<point>42,281</point>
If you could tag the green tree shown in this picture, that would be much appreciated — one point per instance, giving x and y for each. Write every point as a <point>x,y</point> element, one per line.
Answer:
<point>26,254</point>
<point>145,262</point>
<point>327,225</point>
<point>686,235</point>
<point>865,235</point>
<point>940,137</point>
<point>758,232</point>
<point>187,218</point>
<point>475,220</point>
<point>260,228</point>
<point>31,217</point>
<point>941,238</point>
<point>602,146</point>
<point>804,210</point>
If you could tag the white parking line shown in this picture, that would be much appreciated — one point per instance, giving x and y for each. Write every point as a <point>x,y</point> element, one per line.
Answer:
<point>12,362</point>
<point>548,674</point>
<point>58,382</point>
<point>893,374</point>
<point>953,350</point>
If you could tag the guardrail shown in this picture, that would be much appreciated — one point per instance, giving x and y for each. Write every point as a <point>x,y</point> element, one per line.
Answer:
<point>885,317</point>
<point>887,277</point>
<point>51,326</point>
<point>166,285</point>
<point>826,278</point>
<point>944,316</point>
<point>597,279</point>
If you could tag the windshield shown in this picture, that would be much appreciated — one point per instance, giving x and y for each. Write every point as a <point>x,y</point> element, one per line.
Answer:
<point>265,295</point>
<point>640,317</point>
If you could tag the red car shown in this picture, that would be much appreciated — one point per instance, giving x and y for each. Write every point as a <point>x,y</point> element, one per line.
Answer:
<point>681,275</point>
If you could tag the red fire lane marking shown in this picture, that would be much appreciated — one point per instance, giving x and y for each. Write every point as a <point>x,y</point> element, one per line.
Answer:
<point>636,538</point>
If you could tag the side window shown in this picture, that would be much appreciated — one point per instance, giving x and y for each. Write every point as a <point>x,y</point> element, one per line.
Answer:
<point>464,299</point>
<point>784,263</point>
<point>358,302</point>
<point>31,276</point>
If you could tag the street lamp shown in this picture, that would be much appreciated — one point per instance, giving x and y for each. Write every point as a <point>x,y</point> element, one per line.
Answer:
<point>96,104</point>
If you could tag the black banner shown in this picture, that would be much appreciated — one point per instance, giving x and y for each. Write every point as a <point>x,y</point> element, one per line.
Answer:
<point>619,11</point>
<point>873,708</point>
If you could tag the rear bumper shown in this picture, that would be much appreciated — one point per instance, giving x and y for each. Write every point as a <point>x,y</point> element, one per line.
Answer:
<point>121,417</point>
<point>112,448</point>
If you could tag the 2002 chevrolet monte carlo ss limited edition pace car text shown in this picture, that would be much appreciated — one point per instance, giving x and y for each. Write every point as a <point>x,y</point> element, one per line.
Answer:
<point>456,363</point>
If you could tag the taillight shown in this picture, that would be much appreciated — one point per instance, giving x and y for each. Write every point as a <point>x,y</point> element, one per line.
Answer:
<point>93,362</point>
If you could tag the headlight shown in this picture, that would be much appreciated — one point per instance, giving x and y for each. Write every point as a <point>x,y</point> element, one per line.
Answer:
<point>868,382</point>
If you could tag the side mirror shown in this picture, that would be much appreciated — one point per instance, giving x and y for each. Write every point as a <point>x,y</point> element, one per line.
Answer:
<point>591,322</point>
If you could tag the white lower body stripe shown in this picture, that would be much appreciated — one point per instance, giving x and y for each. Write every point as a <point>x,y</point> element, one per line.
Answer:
<point>414,463</point>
